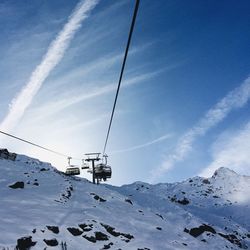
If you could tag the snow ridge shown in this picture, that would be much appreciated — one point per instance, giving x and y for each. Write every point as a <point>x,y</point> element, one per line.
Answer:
<point>41,207</point>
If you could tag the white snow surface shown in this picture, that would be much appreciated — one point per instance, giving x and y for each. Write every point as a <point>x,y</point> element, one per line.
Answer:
<point>135,216</point>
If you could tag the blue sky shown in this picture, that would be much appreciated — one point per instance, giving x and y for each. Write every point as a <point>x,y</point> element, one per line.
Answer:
<point>183,108</point>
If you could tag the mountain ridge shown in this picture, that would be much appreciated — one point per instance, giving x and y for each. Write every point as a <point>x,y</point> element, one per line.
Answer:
<point>44,209</point>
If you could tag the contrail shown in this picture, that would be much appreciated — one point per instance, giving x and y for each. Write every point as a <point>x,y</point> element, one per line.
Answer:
<point>162,138</point>
<point>235,99</point>
<point>53,56</point>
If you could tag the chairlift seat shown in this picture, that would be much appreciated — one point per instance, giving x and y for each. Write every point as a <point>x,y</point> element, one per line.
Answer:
<point>72,171</point>
<point>103,171</point>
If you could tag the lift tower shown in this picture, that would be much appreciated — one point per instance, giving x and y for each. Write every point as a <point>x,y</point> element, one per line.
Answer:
<point>92,157</point>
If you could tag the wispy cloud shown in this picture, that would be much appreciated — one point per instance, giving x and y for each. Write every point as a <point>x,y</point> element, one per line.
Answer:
<point>231,150</point>
<point>50,108</point>
<point>233,100</point>
<point>53,56</point>
<point>160,139</point>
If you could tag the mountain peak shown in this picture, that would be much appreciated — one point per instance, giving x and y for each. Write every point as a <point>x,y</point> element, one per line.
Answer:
<point>224,172</point>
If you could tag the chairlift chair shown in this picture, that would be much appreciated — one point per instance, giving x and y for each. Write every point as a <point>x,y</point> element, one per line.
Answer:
<point>103,171</point>
<point>71,169</point>
<point>84,165</point>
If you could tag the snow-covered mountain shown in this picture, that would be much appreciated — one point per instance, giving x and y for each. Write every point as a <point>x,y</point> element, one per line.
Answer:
<point>42,208</point>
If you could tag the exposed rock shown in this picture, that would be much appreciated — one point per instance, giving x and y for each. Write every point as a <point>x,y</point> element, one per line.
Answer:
<point>51,243</point>
<point>232,238</point>
<point>111,230</point>
<point>108,246</point>
<point>18,184</point>
<point>74,231</point>
<point>197,231</point>
<point>129,201</point>
<point>159,215</point>
<point>89,238</point>
<point>206,181</point>
<point>86,227</point>
<point>25,243</point>
<point>44,169</point>
<point>98,198</point>
<point>53,229</point>
<point>101,236</point>
<point>128,236</point>
<point>184,201</point>
<point>5,154</point>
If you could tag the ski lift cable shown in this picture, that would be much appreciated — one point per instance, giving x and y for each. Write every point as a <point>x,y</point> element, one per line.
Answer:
<point>122,70</point>
<point>115,101</point>
<point>36,145</point>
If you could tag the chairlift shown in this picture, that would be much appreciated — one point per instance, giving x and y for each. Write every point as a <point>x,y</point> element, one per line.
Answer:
<point>72,169</point>
<point>103,171</point>
<point>84,165</point>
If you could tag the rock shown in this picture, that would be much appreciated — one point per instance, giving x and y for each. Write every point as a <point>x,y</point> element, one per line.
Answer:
<point>18,184</point>
<point>184,201</point>
<point>51,243</point>
<point>101,236</point>
<point>86,227</point>
<point>74,231</point>
<point>232,238</point>
<point>206,181</point>
<point>111,230</point>
<point>108,246</point>
<point>159,215</point>
<point>25,243</point>
<point>98,198</point>
<point>53,229</point>
<point>43,169</point>
<point>197,231</point>
<point>129,201</point>
<point>128,236</point>
<point>90,238</point>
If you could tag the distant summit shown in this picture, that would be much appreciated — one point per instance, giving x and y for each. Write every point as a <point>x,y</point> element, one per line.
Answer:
<point>223,172</point>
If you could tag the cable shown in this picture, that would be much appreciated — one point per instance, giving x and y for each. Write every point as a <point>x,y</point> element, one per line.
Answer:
<point>115,101</point>
<point>122,70</point>
<point>36,145</point>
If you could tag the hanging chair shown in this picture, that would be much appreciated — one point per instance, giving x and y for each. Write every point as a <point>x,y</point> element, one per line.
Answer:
<point>71,169</point>
<point>103,171</point>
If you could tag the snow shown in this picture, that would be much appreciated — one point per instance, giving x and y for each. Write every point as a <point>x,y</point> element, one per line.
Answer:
<point>135,216</point>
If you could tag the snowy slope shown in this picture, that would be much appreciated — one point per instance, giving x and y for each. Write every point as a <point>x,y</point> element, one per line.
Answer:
<point>42,207</point>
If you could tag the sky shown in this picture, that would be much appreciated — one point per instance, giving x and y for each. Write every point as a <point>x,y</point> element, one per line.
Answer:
<point>183,107</point>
